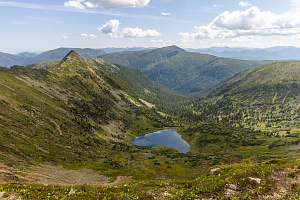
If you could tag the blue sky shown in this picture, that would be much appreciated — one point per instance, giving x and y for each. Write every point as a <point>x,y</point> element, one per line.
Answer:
<point>39,25</point>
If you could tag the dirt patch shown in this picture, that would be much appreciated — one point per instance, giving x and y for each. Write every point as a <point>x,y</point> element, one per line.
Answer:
<point>149,105</point>
<point>295,147</point>
<point>10,197</point>
<point>119,180</point>
<point>44,174</point>
<point>50,175</point>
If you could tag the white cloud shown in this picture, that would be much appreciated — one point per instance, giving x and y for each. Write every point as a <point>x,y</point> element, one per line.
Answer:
<point>74,4</point>
<point>89,4</point>
<point>165,14</point>
<point>138,33</point>
<point>64,36</point>
<point>92,36</point>
<point>245,4</point>
<point>249,22</point>
<point>84,36</point>
<point>110,4</point>
<point>110,28</point>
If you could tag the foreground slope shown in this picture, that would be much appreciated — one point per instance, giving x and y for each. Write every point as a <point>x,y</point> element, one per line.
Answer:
<point>69,113</point>
<point>184,72</point>
<point>266,97</point>
<point>274,179</point>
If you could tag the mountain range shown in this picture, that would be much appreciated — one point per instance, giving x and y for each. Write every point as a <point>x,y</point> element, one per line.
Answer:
<point>272,53</point>
<point>184,72</point>
<point>24,59</point>
<point>70,121</point>
<point>85,106</point>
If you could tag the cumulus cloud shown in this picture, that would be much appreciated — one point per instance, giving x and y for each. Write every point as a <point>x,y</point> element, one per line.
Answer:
<point>138,33</point>
<point>84,36</point>
<point>74,4</point>
<point>110,28</point>
<point>245,4</point>
<point>249,22</point>
<point>111,4</point>
<point>165,14</point>
<point>89,4</point>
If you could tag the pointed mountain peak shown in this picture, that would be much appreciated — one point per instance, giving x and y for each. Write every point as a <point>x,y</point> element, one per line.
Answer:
<point>73,53</point>
<point>73,56</point>
<point>174,48</point>
<point>72,62</point>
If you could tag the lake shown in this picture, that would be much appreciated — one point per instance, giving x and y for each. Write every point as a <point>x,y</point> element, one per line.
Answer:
<point>167,137</point>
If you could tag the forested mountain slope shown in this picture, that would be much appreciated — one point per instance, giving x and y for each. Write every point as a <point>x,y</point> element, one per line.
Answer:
<point>184,72</point>
<point>265,97</point>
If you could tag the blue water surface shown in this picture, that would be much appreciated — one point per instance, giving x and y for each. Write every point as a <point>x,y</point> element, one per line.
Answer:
<point>167,137</point>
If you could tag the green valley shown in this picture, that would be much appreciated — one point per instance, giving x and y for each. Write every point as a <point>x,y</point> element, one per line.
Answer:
<point>66,127</point>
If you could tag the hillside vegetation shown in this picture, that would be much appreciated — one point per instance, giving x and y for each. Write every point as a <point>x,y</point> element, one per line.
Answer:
<point>134,79</point>
<point>69,122</point>
<point>264,98</point>
<point>75,107</point>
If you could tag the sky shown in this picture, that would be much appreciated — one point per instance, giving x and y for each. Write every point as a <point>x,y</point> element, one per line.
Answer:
<point>40,25</point>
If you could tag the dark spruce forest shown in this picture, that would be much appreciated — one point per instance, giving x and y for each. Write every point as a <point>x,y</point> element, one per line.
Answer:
<point>67,118</point>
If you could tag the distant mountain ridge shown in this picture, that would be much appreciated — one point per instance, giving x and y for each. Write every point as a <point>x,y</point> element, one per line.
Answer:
<point>273,53</point>
<point>186,73</point>
<point>116,49</point>
<point>8,60</point>
<point>27,54</point>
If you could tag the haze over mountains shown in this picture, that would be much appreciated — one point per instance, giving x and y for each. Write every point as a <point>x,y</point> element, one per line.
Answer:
<point>273,53</point>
